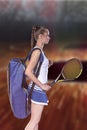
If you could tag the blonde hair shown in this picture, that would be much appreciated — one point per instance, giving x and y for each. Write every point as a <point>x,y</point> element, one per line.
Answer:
<point>36,30</point>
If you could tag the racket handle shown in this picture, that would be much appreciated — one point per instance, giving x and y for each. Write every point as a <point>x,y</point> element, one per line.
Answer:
<point>52,83</point>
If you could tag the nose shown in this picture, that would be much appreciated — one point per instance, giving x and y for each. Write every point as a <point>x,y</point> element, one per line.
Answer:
<point>49,38</point>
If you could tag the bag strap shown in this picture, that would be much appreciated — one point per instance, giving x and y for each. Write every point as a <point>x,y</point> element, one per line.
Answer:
<point>37,69</point>
<point>30,53</point>
<point>38,66</point>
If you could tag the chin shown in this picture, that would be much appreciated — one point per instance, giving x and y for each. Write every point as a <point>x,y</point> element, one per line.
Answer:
<point>46,42</point>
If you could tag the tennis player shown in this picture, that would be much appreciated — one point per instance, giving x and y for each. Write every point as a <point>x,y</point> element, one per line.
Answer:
<point>39,38</point>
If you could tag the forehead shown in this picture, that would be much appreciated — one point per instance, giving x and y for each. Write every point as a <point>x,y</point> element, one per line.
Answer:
<point>47,31</point>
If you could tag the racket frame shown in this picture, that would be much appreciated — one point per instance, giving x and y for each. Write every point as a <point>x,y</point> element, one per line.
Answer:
<point>64,78</point>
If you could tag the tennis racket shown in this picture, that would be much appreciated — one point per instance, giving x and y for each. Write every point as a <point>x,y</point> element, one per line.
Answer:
<point>71,70</point>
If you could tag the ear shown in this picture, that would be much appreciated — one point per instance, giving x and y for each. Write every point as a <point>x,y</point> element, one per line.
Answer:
<point>40,36</point>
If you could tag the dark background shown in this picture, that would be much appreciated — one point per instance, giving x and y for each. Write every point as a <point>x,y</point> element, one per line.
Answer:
<point>67,21</point>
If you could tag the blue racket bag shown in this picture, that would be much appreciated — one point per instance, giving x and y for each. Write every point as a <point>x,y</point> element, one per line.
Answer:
<point>17,86</point>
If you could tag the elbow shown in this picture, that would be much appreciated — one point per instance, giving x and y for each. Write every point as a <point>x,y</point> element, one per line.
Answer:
<point>27,72</point>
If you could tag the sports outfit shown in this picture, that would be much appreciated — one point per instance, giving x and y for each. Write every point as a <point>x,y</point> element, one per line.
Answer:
<point>38,95</point>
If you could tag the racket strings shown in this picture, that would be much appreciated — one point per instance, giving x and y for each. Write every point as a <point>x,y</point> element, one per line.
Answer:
<point>72,69</point>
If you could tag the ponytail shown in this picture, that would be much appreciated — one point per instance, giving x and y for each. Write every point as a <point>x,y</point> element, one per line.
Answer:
<point>33,41</point>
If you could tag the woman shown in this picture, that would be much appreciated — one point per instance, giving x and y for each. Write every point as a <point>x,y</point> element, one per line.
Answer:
<point>40,37</point>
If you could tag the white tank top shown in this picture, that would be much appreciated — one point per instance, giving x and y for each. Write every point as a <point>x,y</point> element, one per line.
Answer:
<point>43,73</point>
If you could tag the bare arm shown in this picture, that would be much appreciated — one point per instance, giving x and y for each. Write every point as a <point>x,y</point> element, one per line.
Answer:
<point>30,69</point>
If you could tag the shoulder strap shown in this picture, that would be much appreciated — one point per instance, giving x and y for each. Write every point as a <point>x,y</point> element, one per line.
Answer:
<point>37,69</point>
<point>30,53</point>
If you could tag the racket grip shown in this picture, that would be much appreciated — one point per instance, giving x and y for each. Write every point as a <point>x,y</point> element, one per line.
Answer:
<point>52,83</point>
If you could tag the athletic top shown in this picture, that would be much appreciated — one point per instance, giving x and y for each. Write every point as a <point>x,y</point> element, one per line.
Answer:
<point>43,73</point>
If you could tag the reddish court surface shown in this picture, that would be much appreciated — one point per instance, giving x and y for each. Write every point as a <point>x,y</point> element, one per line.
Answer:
<point>67,109</point>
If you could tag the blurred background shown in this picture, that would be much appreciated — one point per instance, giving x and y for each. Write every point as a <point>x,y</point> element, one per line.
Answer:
<point>67,22</point>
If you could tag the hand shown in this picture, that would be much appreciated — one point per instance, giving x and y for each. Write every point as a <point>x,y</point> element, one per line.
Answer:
<point>46,87</point>
<point>50,63</point>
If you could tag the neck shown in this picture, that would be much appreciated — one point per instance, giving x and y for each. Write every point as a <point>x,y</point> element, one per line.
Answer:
<point>40,45</point>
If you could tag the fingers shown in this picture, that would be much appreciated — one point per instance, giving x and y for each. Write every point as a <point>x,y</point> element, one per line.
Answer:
<point>46,87</point>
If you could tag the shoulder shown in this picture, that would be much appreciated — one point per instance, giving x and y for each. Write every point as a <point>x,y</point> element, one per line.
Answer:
<point>36,52</point>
